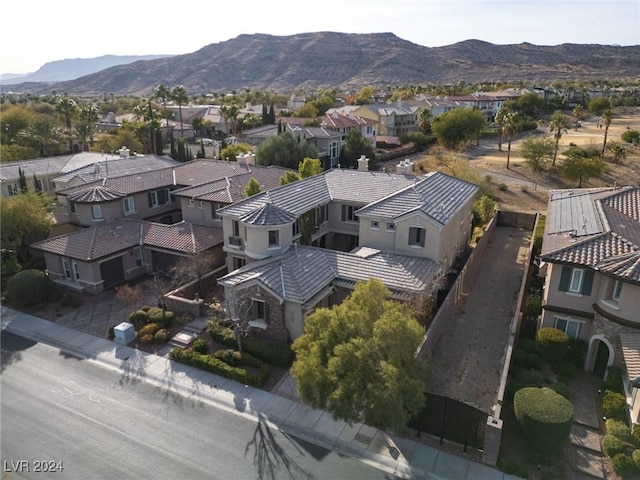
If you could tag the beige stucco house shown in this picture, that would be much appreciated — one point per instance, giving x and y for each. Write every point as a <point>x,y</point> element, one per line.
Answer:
<point>591,247</point>
<point>404,229</point>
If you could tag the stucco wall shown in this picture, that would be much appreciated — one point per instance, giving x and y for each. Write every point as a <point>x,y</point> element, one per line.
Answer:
<point>257,240</point>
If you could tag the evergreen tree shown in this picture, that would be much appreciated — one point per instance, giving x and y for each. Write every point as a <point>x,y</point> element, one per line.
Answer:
<point>22,180</point>
<point>36,184</point>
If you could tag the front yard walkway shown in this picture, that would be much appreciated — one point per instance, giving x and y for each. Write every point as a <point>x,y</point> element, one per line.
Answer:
<point>467,360</point>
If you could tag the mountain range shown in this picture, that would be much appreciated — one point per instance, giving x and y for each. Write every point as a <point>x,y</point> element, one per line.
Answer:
<point>329,59</point>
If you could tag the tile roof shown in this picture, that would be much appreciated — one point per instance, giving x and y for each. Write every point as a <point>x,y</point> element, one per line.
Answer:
<point>51,165</point>
<point>597,228</point>
<point>302,271</point>
<point>631,353</point>
<point>96,242</point>
<point>437,195</point>
<point>95,194</point>
<point>117,167</point>
<point>268,214</point>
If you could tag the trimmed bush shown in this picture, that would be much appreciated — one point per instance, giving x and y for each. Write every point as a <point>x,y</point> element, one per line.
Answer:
<point>635,436</point>
<point>149,329</point>
<point>156,315</point>
<point>527,345</point>
<point>566,370</point>
<point>576,352</point>
<point>613,380</point>
<point>138,319</point>
<point>200,346</point>
<point>162,336</point>
<point>623,464</point>
<point>511,389</point>
<point>519,357</point>
<point>552,344</point>
<point>146,308</point>
<point>630,136</point>
<point>545,418</point>
<point>146,338</point>
<point>614,405</point>
<point>30,287</point>
<point>217,366</point>
<point>533,308</point>
<point>222,334</point>
<point>561,388</point>
<point>533,361</point>
<point>533,378</point>
<point>618,429</point>
<point>636,458</point>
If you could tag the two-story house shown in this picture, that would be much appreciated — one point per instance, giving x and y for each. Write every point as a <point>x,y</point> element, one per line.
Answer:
<point>135,222</point>
<point>401,228</point>
<point>591,246</point>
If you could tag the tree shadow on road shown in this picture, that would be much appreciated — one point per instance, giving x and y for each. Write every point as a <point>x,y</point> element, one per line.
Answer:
<point>270,458</point>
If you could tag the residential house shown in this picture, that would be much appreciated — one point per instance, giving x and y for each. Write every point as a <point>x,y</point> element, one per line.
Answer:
<point>150,204</point>
<point>393,119</point>
<point>345,123</point>
<point>591,247</point>
<point>397,227</point>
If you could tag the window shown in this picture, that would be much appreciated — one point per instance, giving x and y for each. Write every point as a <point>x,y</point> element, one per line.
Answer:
<point>296,227</point>
<point>369,130</point>
<point>129,205</point>
<point>259,314</point>
<point>201,205</point>
<point>76,271</point>
<point>96,210</point>
<point>391,227</point>
<point>274,240</point>
<point>617,288</point>
<point>348,213</point>
<point>333,150</point>
<point>72,207</point>
<point>321,215</point>
<point>576,280</point>
<point>138,256</point>
<point>158,197</point>
<point>191,202</point>
<point>417,236</point>
<point>67,270</point>
<point>236,228</point>
<point>570,327</point>
<point>375,225</point>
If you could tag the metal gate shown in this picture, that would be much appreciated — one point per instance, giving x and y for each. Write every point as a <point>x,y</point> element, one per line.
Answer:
<point>516,220</point>
<point>452,420</point>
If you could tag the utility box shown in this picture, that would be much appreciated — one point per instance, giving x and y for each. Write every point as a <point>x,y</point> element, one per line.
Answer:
<point>124,333</point>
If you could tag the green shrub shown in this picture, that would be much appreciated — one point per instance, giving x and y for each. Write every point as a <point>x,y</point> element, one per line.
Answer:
<point>222,334</point>
<point>545,418</point>
<point>561,388</point>
<point>273,353</point>
<point>636,458</point>
<point>217,366</point>
<point>200,346</point>
<point>614,405</point>
<point>618,429</point>
<point>503,187</point>
<point>156,315</point>
<point>533,308</point>
<point>566,370</point>
<point>576,352</point>
<point>533,361</point>
<point>146,308</point>
<point>630,136</point>
<point>527,345</point>
<point>72,301</point>
<point>533,378</point>
<point>552,344</point>
<point>416,137</point>
<point>162,336</point>
<point>146,338</point>
<point>30,287</point>
<point>519,357</point>
<point>149,329</point>
<point>138,319</point>
<point>613,380</point>
<point>511,389</point>
<point>623,464</point>
<point>635,436</point>
<point>235,358</point>
<point>111,333</point>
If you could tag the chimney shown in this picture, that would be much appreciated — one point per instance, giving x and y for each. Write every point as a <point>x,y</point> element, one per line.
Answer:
<point>241,159</point>
<point>250,158</point>
<point>363,164</point>
<point>124,152</point>
<point>405,167</point>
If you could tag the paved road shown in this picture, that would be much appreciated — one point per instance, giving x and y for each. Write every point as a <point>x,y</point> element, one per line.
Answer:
<point>102,424</point>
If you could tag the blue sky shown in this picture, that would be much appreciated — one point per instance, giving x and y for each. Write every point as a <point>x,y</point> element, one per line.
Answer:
<point>42,31</point>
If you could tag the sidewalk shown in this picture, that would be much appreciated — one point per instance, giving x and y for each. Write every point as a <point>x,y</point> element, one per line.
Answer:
<point>396,455</point>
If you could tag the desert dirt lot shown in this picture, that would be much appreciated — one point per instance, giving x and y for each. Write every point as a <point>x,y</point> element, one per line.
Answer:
<point>525,190</point>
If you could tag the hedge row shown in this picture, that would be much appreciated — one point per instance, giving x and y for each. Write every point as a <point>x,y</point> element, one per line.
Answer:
<point>219,367</point>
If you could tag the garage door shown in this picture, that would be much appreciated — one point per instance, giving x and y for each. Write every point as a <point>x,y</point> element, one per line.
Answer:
<point>112,272</point>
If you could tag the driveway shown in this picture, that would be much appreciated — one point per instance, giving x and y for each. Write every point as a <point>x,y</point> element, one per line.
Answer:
<point>466,362</point>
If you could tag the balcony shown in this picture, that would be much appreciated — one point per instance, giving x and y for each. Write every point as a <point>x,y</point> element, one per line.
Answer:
<point>235,241</point>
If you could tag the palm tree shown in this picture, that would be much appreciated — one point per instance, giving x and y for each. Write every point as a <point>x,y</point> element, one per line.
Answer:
<point>577,114</point>
<point>424,120</point>
<point>607,116</point>
<point>558,125</point>
<point>86,127</point>
<point>44,133</point>
<point>180,96</point>
<point>67,107</point>
<point>499,119</point>
<point>163,94</point>
<point>510,128</point>
<point>149,117</point>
